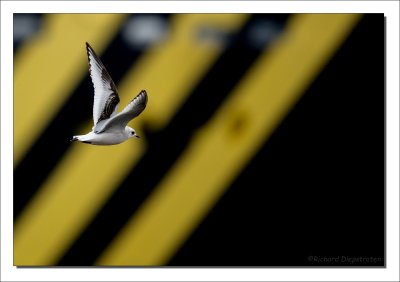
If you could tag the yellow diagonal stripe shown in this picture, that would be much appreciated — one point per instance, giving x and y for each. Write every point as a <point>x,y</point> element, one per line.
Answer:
<point>182,62</point>
<point>49,68</point>
<point>64,205</point>
<point>88,174</point>
<point>221,149</point>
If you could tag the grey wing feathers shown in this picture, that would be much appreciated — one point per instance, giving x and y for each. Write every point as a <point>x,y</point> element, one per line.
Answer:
<point>136,106</point>
<point>132,110</point>
<point>106,98</point>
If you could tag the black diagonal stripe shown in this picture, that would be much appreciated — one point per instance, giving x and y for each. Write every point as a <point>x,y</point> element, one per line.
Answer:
<point>34,168</point>
<point>316,188</point>
<point>165,146</point>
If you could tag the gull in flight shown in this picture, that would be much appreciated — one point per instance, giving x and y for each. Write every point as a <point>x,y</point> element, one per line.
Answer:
<point>109,127</point>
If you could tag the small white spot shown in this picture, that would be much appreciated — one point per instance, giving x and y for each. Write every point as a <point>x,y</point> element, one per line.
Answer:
<point>25,26</point>
<point>143,30</point>
<point>262,32</point>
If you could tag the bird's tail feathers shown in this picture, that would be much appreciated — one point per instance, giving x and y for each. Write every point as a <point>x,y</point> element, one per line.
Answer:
<point>74,138</point>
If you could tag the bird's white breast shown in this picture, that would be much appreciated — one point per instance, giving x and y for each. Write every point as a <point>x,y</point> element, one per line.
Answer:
<point>106,138</point>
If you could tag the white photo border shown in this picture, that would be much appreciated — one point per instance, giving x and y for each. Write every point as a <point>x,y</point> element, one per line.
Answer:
<point>390,273</point>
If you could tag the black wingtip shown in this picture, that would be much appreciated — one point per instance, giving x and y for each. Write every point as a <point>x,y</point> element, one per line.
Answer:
<point>73,139</point>
<point>143,92</point>
<point>88,47</point>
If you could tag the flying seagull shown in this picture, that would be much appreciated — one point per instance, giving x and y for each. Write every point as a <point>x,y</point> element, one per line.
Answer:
<point>109,126</point>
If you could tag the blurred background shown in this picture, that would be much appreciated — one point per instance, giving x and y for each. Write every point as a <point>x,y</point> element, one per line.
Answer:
<point>262,141</point>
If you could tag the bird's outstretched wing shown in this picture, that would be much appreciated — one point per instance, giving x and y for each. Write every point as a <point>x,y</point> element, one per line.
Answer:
<point>119,121</point>
<point>106,97</point>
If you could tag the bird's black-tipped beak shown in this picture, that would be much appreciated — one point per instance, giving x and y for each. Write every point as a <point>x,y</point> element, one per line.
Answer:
<point>137,136</point>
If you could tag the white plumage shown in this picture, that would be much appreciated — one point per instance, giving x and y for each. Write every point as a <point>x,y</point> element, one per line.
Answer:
<point>109,127</point>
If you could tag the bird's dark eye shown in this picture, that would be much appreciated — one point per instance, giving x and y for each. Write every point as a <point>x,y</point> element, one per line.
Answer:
<point>133,133</point>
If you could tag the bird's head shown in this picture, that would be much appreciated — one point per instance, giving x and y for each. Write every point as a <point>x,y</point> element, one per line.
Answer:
<point>131,132</point>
